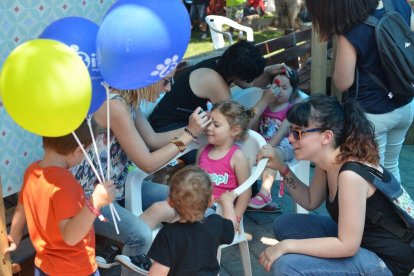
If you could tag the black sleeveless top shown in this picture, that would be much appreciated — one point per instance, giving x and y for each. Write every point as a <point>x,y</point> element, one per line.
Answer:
<point>398,256</point>
<point>180,96</point>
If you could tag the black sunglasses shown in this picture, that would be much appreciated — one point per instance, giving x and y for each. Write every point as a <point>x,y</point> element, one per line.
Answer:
<point>168,80</point>
<point>297,133</point>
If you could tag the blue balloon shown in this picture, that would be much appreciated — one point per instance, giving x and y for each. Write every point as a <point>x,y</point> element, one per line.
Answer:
<point>140,42</point>
<point>80,34</point>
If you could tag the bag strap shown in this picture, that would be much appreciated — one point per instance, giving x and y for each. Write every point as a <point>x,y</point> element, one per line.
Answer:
<point>376,80</point>
<point>388,5</point>
<point>369,174</point>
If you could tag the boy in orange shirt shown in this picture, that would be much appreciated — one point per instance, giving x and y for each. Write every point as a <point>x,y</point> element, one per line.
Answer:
<point>58,215</point>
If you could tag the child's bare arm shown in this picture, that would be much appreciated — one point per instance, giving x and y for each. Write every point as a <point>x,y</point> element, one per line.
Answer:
<point>74,229</point>
<point>227,202</point>
<point>158,269</point>
<point>280,133</point>
<point>17,227</point>
<point>242,169</point>
<point>260,107</point>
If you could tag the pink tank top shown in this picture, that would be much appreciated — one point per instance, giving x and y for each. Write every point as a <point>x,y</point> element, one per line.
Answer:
<point>222,175</point>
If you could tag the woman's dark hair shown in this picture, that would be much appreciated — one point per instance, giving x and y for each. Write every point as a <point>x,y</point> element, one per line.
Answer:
<point>353,133</point>
<point>336,17</point>
<point>241,60</point>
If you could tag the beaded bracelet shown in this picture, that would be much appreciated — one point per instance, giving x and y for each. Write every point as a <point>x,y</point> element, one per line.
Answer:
<point>285,171</point>
<point>191,134</point>
<point>91,208</point>
<point>282,182</point>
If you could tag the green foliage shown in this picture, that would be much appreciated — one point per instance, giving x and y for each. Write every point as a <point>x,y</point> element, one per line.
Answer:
<point>198,46</point>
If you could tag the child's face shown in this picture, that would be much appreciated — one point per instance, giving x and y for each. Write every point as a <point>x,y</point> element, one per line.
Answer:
<point>219,131</point>
<point>285,88</point>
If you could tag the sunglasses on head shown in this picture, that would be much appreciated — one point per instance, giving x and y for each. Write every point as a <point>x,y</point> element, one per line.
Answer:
<point>168,81</point>
<point>297,133</point>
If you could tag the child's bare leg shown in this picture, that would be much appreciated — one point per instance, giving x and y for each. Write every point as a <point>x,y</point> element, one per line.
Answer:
<point>157,213</point>
<point>268,176</point>
<point>264,197</point>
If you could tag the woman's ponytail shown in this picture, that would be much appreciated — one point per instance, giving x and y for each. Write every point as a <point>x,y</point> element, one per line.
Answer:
<point>358,137</point>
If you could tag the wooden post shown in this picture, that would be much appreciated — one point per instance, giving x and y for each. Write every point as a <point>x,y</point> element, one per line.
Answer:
<point>318,65</point>
<point>334,91</point>
<point>5,265</point>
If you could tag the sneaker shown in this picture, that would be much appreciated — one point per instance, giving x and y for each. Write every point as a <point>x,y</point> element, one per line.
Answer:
<point>106,258</point>
<point>271,207</point>
<point>204,36</point>
<point>260,200</point>
<point>140,263</point>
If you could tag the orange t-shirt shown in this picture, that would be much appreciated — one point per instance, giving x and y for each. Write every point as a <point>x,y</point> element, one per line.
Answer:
<point>50,195</point>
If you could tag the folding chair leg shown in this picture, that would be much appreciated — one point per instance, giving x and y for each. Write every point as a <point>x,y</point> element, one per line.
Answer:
<point>245,256</point>
<point>219,257</point>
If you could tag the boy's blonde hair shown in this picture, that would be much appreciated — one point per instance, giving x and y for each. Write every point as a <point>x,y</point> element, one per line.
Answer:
<point>236,115</point>
<point>190,193</point>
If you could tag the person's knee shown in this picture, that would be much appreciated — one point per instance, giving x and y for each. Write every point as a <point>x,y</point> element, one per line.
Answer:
<point>279,226</point>
<point>140,235</point>
<point>284,265</point>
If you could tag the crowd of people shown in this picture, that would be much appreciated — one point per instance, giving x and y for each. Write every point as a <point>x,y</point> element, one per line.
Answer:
<point>369,128</point>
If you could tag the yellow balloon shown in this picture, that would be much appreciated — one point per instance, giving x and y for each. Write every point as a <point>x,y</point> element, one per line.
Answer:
<point>46,87</point>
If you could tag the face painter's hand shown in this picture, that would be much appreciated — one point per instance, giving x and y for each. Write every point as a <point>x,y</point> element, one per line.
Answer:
<point>198,121</point>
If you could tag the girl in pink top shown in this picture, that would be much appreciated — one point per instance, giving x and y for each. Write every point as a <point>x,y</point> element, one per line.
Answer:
<point>270,121</point>
<point>225,163</point>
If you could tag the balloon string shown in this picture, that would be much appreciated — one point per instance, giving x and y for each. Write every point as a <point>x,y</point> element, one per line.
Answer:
<point>87,157</point>
<point>108,128</point>
<point>113,212</point>
<point>101,217</point>
<point>89,119</point>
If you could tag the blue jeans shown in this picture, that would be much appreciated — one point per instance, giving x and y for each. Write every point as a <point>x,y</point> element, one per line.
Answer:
<point>304,226</point>
<point>390,131</point>
<point>134,233</point>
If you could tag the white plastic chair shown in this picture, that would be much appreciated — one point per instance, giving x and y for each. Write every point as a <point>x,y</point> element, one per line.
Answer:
<point>248,98</point>
<point>250,147</point>
<point>216,22</point>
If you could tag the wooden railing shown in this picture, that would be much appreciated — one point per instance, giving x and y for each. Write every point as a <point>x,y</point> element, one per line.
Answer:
<point>285,49</point>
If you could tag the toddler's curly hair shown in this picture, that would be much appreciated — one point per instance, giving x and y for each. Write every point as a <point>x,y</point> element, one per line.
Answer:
<point>236,115</point>
<point>190,193</point>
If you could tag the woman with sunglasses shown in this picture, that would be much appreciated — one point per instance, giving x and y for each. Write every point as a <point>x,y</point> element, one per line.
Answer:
<point>133,139</point>
<point>346,242</point>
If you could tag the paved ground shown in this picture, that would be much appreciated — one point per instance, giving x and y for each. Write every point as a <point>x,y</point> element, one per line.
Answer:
<point>259,226</point>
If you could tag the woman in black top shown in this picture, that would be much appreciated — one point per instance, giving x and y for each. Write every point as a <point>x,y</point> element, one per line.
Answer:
<point>241,64</point>
<point>330,134</point>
